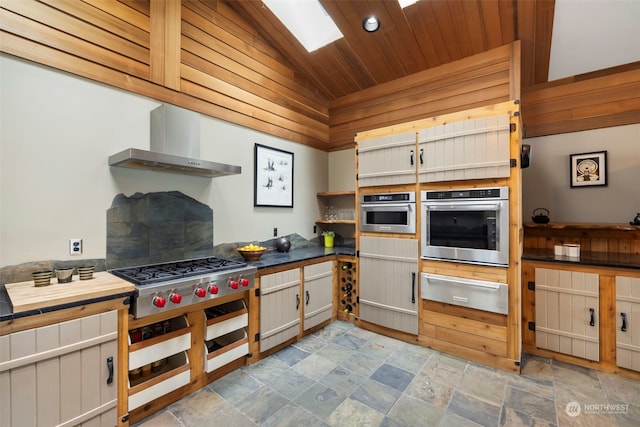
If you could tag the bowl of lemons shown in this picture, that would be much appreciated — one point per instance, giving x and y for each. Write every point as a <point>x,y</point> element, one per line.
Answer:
<point>251,252</point>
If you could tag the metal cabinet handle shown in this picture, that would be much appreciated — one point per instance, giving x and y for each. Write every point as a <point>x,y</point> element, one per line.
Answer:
<point>422,156</point>
<point>592,322</point>
<point>297,301</point>
<point>307,293</point>
<point>413,288</point>
<point>110,368</point>
<point>411,157</point>
<point>624,322</point>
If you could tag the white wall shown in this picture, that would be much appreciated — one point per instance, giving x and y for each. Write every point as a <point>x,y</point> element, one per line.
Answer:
<point>56,134</point>
<point>546,181</point>
<point>342,170</point>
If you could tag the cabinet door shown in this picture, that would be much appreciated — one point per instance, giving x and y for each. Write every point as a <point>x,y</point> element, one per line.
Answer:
<point>469,149</point>
<point>567,312</point>
<point>318,296</point>
<point>628,322</point>
<point>58,374</point>
<point>387,160</point>
<point>280,303</point>
<point>388,282</point>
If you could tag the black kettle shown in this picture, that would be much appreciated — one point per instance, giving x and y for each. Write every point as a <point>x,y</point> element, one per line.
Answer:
<point>283,244</point>
<point>636,220</point>
<point>540,216</point>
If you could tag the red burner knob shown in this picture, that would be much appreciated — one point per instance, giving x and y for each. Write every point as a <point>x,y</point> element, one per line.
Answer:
<point>233,284</point>
<point>244,282</point>
<point>201,292</point>
<point>159,301</point>
<point>213,289</point>
<point>175,298</point>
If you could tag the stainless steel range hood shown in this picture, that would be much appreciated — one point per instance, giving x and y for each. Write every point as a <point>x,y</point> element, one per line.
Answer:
<point>175,147</point>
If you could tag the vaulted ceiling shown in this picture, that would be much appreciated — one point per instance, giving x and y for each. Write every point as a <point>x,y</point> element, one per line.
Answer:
<point>421,36</point>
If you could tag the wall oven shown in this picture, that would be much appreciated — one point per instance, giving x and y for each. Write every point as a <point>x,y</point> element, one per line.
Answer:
<point>468,225</point>
<point>388,213</point>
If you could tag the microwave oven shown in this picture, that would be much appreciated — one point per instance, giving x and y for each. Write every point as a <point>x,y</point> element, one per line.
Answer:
<point>468,225</point>
<point>388,213</point>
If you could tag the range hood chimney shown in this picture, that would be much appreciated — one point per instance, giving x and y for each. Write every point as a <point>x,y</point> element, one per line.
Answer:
<point>175,147</point>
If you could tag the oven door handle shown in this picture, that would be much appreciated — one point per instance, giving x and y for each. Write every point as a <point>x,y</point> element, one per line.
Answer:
<point>446,206</point>
<point>388,205</point>
<point>461,281</point>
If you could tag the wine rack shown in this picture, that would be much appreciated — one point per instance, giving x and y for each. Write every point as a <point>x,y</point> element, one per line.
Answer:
<point>347,290</point>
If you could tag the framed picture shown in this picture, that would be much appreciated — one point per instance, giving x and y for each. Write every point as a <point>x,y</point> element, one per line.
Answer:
<point>273,177</point>
<point>588,169</point>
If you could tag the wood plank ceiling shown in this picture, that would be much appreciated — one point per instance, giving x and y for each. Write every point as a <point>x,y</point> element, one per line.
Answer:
<point>421,36</point>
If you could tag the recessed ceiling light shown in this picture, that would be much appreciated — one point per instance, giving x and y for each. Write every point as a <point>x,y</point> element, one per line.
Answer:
<point>371,24</point>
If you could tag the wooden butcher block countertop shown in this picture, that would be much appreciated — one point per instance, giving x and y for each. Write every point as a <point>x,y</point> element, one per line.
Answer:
<point>25,296</point>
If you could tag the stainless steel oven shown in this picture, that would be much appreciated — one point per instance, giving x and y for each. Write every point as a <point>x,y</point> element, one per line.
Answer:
<point>388,212</point>
<point>468,225</point>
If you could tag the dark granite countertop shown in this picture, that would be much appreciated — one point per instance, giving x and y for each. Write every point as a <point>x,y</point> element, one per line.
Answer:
<point>273,258</point>
<point>269,259</point>
<point>596,259</point>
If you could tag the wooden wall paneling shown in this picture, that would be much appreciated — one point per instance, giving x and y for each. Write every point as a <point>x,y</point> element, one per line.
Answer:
<point>48,39</point>
<point>582,104</point>
<point>237,51</point>
<point>482,79</point>
<point>165,43</point>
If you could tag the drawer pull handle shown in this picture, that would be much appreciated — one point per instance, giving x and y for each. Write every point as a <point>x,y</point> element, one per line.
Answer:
<point>422,156</point>
<point>110,368</point>
<point>307,293</point>
<point>460,299</point>
<point>297,301</point>
<point>592,312</point>
<point>411,157</point>
<point>624,322</point>
<point>461,281</point>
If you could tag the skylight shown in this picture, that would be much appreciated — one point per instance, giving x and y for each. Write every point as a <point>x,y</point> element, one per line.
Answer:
<point>405,3</point>
<point>306,20</point>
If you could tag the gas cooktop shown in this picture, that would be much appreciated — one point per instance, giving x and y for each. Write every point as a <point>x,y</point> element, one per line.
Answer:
<point>171,285</point>
<point>158,273</point>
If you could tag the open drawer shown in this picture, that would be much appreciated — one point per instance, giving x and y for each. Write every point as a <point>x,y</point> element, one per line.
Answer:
<point>174,374</point>
<point>163,346</point>
<point>226,318</point>
<point>225,349</point>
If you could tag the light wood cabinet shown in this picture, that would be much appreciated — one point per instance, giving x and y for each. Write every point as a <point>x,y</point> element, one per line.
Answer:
<point>389,282</point>
<point>294,297</point>
<point>279,307</point>
<point>226,334</point>
<point>468,149</point>
<point>61,374</point>
<point>628,322</point>
<point>387,160</point>
<point>318,294</point>
<point>567,312</point>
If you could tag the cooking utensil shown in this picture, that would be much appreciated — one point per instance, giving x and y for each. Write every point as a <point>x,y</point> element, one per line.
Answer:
<point>540,216</point>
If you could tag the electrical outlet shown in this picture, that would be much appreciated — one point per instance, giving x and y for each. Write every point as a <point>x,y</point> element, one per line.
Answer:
<point>75,246</point>
<point>314,229</point>
<point>275,231</point>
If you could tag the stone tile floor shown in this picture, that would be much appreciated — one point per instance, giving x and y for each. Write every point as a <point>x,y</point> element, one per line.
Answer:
<point>346,376</point>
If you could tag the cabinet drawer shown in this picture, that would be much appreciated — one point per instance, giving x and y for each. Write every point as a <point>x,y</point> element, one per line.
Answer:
<point>174,375</point>
<point>478,294</point>
<point>226,349</point>
<point>231,317</point>
<point>162,346</point>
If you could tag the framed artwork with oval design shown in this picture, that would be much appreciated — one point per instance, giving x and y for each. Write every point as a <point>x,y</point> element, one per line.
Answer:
<point>588,169</point>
